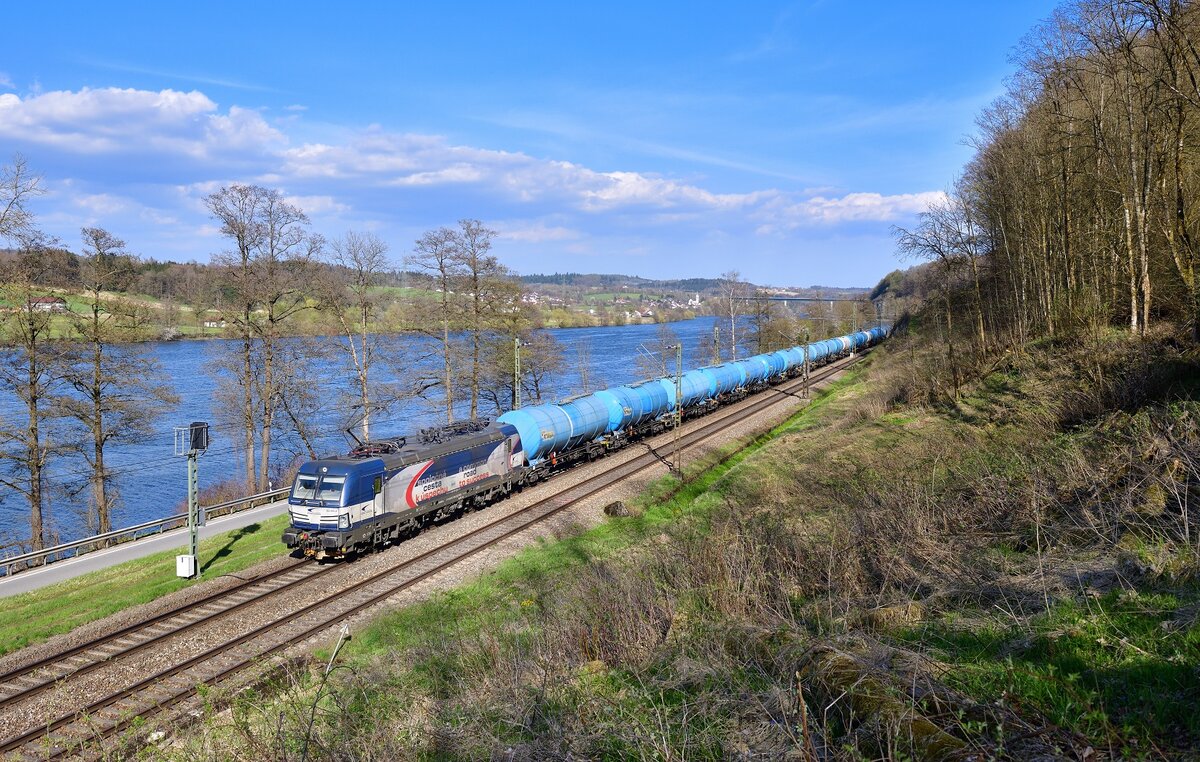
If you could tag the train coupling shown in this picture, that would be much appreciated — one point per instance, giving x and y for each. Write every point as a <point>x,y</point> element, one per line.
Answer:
<point>316,545</point>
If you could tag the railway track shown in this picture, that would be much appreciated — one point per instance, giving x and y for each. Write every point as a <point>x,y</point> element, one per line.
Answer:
<point>86,728</point>
<point>24,682</point>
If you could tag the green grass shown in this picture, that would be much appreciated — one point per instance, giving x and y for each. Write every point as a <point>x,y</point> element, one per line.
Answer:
<point>403,292</point>
<point>1107,668</point>
<point>33,617</point>
<point>612,296</point>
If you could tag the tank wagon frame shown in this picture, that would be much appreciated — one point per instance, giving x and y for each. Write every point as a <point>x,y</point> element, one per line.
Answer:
<point>385,489</point>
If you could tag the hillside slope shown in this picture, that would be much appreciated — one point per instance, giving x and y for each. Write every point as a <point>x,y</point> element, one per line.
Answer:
<point>1010,576</point>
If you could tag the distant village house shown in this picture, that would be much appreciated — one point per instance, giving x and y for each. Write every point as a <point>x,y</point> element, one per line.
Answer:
<point>48,304</point>
<point>213,320</point>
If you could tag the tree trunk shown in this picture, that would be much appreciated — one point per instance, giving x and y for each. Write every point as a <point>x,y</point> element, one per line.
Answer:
<point>268,410</point>
<point>950,344</point>
<point>364,370</point>
<point>1132,269</point>
<point>35,456</point>
<point>248,400</point>
<point>476,332</point>
<point>447,368</point>
<point>99,476</point>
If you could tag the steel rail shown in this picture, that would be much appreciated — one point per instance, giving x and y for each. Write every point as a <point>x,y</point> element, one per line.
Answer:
<point>44,682</point>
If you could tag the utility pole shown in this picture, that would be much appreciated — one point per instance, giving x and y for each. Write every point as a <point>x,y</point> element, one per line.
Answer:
<point>516,373</point>
<point>716,344</point>
<point>855,324</point>
<point>678,406</point>
<point>806,363</point>
<point>191,442</point>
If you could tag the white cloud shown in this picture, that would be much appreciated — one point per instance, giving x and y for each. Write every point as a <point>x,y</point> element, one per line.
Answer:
<point>623,188</point>
<point>407,160</point>
<point>115,120</point>
<point>7,81</point>
<point>318,204</point>
<point>241,128</point>
<point>535,232</point>
<point>784,215</point>
<point>102,203</point>
<point>394,182</point>
<point>459,173</point>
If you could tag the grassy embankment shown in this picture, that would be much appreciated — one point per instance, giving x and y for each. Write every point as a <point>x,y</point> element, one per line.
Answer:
<point>891,574</point>
<point>35,616</point>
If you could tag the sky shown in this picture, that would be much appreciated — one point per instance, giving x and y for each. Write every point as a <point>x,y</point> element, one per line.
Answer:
<point>661,139</point>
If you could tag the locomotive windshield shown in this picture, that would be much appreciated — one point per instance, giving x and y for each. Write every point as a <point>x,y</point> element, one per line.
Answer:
<point>319,487</point>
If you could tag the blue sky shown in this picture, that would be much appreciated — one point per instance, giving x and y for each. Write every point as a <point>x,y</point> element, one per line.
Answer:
<point>654,139</point>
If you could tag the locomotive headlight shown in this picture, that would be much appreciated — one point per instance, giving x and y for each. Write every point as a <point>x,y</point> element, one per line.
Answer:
<point>344,521</point>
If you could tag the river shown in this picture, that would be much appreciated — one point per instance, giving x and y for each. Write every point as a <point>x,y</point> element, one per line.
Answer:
<point>151,480</point>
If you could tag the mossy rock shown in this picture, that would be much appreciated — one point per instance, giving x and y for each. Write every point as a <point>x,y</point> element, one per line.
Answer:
<point>886,618</point>
<point>1154,500</point>
<point>875,705</point>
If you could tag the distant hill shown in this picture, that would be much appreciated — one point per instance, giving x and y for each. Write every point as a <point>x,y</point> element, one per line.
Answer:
<point>612,280</point>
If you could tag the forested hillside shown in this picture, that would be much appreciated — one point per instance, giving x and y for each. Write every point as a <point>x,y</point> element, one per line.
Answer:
<point>1079,209</point>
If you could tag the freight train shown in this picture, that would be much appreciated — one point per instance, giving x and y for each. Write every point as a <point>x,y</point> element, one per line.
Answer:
<point>384,489</point>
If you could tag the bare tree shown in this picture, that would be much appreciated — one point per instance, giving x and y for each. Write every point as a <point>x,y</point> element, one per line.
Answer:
<point>239,208</point>
<point>542,360</point>
<point>659,358</point>
<point>119,390</point>
<point>732,291</point>
<point>360,258</point>
<point>303,394</point>
<point>268,274</point>
<point>281,277</point>
<point>484,280</point>
<point>17,186</point>
<point>435,255</point>
<point>29,370</point>
<point>937,237</point>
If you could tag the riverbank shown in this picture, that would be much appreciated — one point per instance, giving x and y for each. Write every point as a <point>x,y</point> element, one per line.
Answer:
<point>172,321</point>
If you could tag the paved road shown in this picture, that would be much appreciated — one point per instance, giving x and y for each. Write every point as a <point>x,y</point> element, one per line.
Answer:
<point>58,571</point>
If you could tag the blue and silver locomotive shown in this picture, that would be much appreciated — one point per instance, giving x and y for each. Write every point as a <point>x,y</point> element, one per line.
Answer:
<point>383,489</point>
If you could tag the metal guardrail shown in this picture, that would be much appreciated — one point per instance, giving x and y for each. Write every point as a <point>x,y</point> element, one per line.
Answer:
<point>75,548</point>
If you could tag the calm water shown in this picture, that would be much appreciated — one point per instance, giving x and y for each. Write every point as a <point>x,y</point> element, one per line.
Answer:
<point>151,480</point>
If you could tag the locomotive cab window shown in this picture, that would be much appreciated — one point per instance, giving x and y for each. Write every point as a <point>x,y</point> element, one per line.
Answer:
<point>378,484</point>
<point>331,488</point>
<point>305,487</point>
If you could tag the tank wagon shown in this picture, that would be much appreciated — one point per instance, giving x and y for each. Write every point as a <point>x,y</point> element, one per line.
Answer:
<point>384,489</point>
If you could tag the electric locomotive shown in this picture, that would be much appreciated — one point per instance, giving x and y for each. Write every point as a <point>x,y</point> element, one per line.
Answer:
<point>383,489</point>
